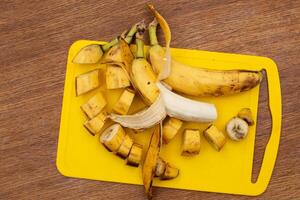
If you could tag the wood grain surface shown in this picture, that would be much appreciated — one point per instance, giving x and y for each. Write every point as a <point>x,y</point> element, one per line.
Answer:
<point>35,37</point>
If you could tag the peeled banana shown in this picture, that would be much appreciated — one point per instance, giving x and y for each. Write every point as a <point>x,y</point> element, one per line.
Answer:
<point>135,155</point>
<point>215,137</point>
<point>199,81</point>
<point>123,104</point>
<point>191,142</point>
<point>170,128</point>
<point>87,82</point>
<point>95,125</point>
<point>94,105</point>
<point>112,137</point>
<point>116,77</point>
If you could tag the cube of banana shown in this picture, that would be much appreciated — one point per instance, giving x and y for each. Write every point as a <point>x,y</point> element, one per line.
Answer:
<point>215,137</point>
<point>160,167</point>
<point>170,172</point>
<point>94,105</point>
<point>191,142</point>
<point>124,102</point>
<point>170,129</point>
<point>135,155</point>
<point>87,82</point>
<point>246,115</point>
<point>112,137</point>
<point>116,77</point>
<point>95,125</point>
<point>90,54</point>
<point>125,147</point>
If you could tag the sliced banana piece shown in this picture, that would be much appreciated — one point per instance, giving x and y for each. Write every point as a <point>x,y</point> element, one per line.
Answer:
<point>191,142</point>
<point>170,172</point>
<point>112,137</point>
<point>237,129</point>
<point>123,104</point>
<point>87,82</point>
<point>246,115</point>
<point>94,105</point>
<point>160,167</point>
<point>125,147</point>
<point>215,137</point>
<point>186,109</point>
<point>95,125</point>
<point>90,54</point>
<point>116,77</point>
<point>135,155</point>
<point>170,128</point>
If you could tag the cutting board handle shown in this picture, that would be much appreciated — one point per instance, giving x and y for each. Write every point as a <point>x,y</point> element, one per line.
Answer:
<point>273,143</point>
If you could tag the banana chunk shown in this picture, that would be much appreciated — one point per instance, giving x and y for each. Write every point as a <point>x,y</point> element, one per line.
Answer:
<point>94,105</point>
<point>170,172</point>
<point>125,147</point>
<point>116,77</point>
<point>191,142</point>
<point>124,102</point>
<point>160,167</point>
<point>237,129</point>
<point>90,54</point>
<point>135,155</point>
<point>246,115</point>
<point>215,137</point>
<point>112,137</point>
<point>87,82</point>
<point>170,129</point>
<point>95,125</point>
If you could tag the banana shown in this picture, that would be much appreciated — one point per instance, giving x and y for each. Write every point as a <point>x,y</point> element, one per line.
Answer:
<point>116,77</point>
<point>170,128</point>
<point>125,147</point>
<point>198,81</point>
<point>246,115</point>
<point>123,104</point>
<point>160,167</point>
<point>94,105</point>
<point>191,142</point>
<point>141,73</point>
<point>186,109</point>
<point>112,137</point>
<point>95,125</point>
<point>90,54</point>
<point>215,137</point>
<point>237,129</point>
<point>87,82</point>
<point>170,172</point>
<point>135,155</point>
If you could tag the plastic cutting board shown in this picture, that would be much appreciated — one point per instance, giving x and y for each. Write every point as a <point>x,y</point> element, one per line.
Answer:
<point>81,155</point>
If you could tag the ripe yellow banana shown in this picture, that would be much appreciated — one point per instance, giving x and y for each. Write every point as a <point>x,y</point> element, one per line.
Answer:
<point>197,81</point>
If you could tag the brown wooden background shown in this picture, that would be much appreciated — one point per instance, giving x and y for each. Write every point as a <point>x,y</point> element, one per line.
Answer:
<point>35,37</point>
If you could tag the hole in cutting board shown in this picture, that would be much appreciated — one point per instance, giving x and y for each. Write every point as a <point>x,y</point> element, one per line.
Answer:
<point>263,128</point>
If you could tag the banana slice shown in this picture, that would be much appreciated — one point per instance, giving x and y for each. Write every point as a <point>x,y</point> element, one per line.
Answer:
<point>135,155</point>
<point>116,77</point>
<point>112,137</point>
<point>90,54</point>
<point>95,125</point>
<point>237,129</point>
<point>170,129</point>
<point>125,147</point>
<point>215,137</point>
<point>124,102</point>
<point>94,105</point>
<point>191,142</point>
<point>160,167</point>
<point>170,172</point>
<point>87,82</point>
<point>246,115</point>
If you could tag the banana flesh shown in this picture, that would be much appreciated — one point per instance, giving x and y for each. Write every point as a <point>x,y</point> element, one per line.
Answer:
<point>170,172</point>
<point>123,104</point>
<point>116,77</point>
<point>112,137</point>
<point>87,82</point>
<point>237,129</point>
<point>125,147</point>
<point>170,128</point>
<point>215,137</point>
<point>246,115</point>
<point>186,109</point>
<point>160,167</point>
<point>135,155</point>
<point>90,54</point>
<point>94,105</point>
<point>191,142</point>
<point>95,125</point>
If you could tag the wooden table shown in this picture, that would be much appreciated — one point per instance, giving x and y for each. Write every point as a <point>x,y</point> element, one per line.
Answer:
<point>35,37</point>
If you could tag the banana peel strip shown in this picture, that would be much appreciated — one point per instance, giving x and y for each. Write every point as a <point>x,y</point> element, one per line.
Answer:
<point>150,161</point>
<point>166,71</point>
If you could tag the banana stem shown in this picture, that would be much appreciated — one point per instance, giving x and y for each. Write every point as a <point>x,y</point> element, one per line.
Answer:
<point>107,46</point>
<point>152,32</point>
<point>139,36</point>
<point>130,34</point>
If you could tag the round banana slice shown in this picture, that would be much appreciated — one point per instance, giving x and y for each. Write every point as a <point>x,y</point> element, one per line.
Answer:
<point>237,129</point>
<point>112,137</point>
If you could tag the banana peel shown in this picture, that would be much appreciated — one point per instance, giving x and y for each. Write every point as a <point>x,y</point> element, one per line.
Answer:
<point>149,166</point>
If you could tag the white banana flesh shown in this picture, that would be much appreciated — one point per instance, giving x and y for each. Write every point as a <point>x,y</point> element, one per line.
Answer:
<point>186,109</point>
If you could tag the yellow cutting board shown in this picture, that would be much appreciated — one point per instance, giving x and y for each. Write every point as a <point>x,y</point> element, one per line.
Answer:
<point>81,155</point>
